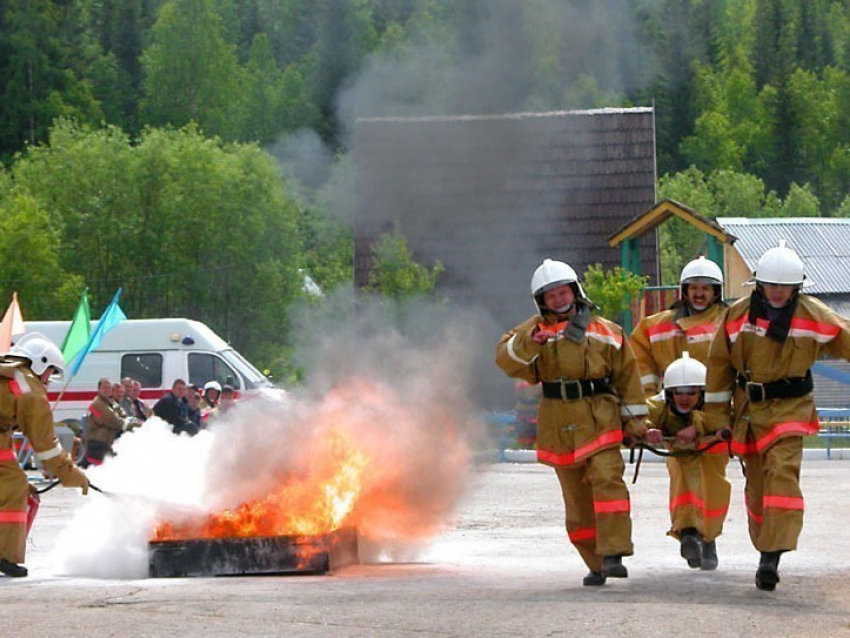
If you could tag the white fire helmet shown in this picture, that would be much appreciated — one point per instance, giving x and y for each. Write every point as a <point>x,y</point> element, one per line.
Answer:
<point>780,265</point>
<point>701,269</point>
<point>212,385</point>
<point>549,275</point>
<point>41,352</point>
<point>684,372</point>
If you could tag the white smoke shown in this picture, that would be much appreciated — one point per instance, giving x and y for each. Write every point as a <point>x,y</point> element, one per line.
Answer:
<point>400,392</point>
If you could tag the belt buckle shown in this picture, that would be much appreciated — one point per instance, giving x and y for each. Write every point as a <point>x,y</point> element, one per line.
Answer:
<point>564,383</point>
<point>760,387</point>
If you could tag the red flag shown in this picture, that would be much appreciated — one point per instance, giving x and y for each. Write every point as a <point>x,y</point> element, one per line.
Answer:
<point>12,324</point>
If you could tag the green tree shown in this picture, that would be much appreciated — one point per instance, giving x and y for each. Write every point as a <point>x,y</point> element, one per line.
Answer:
<point>612,290</point>
<point>395,273</point>
<point>30,261</point>
<point>191,73</point>
<point>190,226</point>
<point>39,75</point>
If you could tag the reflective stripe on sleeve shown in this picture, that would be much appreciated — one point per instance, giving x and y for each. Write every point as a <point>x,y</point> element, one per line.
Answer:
<point>649,379</point>
<point>718,397</point>
<point>52,453</point>
<point>635,409</point>
<point>513,355</point>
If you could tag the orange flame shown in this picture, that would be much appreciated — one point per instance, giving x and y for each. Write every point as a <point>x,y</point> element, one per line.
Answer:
<point>316,504</point>
<point>374,462</point>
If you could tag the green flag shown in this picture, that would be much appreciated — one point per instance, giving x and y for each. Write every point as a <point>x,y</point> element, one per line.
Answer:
<point>78,333</point>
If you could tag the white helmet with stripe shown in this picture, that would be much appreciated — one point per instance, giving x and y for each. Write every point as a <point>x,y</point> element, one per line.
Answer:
<point>684,372</point>
<point>41,352</point>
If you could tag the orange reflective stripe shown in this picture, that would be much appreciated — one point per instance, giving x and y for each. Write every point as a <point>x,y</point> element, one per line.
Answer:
<point>13,517</point>
<point>689,498</point>
<point>791,427</point>
<point>603,333</point>
<point>714,448</point>
<point>7,455</point>
<point>568,458</point>
<point>744,449</point>
<point>611,507</point>
<point>783,502</point>
<point>663,331</point>
<point>553,327</point>
<point>733,328</point>
<point>820,332</point>
<point>756,517</point>
<point>583,534</point>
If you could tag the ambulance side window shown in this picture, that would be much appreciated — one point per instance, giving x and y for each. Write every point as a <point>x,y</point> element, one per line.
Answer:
<point>209,367</point>
<point>145,368</point>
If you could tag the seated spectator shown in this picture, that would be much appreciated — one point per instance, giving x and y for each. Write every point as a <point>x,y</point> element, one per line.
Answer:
<point>226,402</point>
<point>209,402</point>
<point>106,420</point>
<point>193,400</point>
<point>141,409</point>
<point>172,409</point>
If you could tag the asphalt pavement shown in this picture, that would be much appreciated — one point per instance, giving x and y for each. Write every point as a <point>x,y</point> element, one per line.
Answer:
<point>503,567</point>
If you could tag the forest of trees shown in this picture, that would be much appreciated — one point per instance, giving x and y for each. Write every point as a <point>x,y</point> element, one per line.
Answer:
<point>137,136</point>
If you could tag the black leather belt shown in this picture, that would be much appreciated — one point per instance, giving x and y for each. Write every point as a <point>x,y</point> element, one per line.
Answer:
<point>573,390</point>
<point>790,388</point>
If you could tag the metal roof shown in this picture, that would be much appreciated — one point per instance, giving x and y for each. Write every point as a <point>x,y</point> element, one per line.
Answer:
<point>822,243</point>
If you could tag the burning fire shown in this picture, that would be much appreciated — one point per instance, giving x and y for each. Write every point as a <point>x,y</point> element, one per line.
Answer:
<point>371,460</point>
<point>316,504</point>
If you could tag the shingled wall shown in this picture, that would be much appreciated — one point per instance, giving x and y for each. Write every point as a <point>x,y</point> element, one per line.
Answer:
<point>491,196</point>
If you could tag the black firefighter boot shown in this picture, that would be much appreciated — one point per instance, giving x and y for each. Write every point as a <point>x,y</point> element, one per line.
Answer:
<point>690,547</point>
<point>12,570</point>
<point>593,579</point>
<point>767,575</point>
<point>612,567</point>
<point>709,556</point>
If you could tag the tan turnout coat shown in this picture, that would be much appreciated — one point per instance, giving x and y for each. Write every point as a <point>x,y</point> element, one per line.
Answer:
<point>24,406</point>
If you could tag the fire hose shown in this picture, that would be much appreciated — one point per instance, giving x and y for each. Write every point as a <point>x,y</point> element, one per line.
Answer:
<point>701,446</point>
<point>55,483</point>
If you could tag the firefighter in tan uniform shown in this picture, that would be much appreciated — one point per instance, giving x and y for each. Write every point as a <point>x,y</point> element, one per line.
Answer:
<point>24,374</point>
<point>105,421</point>
<point>689,324</point>
<point>699,489</point>
<point>761,356</point>
<point>591,388</point>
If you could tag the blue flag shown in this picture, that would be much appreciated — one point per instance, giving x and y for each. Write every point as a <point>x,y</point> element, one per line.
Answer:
<point>111,317</point>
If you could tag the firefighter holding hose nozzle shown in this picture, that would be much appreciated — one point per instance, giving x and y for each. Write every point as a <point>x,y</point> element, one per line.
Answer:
<point>699,489</point>
<point>591,390</point>
<point>24,374</point>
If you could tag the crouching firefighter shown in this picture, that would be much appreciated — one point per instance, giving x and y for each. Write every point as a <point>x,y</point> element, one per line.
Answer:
<point>591,389</point>
<point>696,462</point>
<point>24,374</point>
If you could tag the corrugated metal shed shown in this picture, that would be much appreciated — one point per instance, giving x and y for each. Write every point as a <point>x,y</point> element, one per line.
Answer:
<point>823,244</point>
<point>490,196</point>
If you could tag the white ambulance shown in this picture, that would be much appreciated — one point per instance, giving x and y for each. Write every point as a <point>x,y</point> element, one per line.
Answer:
<point>155,352</point>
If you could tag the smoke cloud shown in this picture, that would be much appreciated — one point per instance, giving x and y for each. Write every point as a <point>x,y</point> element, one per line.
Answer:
<point>389,383</point>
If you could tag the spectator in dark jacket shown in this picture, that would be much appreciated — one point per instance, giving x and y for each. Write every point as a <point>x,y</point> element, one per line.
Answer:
<point>172,409</point>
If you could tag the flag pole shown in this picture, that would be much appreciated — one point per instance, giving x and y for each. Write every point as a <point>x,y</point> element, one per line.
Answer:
<point>62,392</point>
